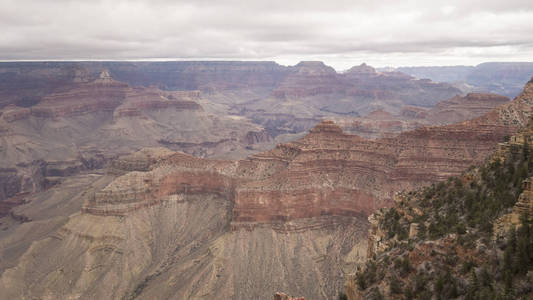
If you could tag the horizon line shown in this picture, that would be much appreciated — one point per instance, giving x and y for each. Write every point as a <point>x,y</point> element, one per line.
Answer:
<point>82,60</point>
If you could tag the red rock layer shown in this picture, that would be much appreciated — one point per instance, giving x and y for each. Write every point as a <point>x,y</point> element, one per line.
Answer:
<point>329,172</point>
<point>309,78</point>
<point>312,78</point>
<point>460,108</point>
<point>165,177</point>
<point>103,95</point>
<point>380,123</point>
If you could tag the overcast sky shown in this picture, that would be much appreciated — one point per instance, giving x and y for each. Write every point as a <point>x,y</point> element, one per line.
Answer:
<point>341,33</point>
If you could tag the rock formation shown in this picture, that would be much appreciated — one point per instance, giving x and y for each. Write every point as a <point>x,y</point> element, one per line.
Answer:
<point>308,90</point>
<point>164,224</point>
<point>88,121</point>
<point>504,78</point>
<point>79,115</point>
<point>380,123</point>
<point>523,207</point>
<point>440,240</point>
<point>283,296</point>
<point>460,108</point>
<point>330,172</point>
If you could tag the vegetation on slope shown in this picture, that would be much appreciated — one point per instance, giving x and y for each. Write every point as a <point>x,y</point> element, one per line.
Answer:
<point>439,242</point>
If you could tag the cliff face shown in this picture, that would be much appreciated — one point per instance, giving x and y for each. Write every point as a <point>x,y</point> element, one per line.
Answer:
<point>164,224</point>
<point>308,90</point>
<point>381,123</point>
<point>86,122</point>
<point>330,172</point>
<point>308,78</point>
<point>82,114</point>
<point>160,223</point>
<point>463,238</point>
<point>314,90</point>
<point>167,221</point>
<point>103,94</point>
<point>461,108</point>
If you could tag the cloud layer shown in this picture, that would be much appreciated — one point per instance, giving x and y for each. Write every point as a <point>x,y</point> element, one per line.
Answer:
<point>342,33</point>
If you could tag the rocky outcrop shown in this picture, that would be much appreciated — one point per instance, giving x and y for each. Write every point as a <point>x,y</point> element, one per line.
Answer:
<point>283,296</point>
<point>362,69</point>
<point>141,160</point>
<point>523,207</point>
<point>524,204</point>
<point>330,172</point>
<point>437,240</point>
<point>413,112</point>
<point>381,123</point>
<point>103,95</point>
<point>170,225</point>
<point>94,117</point>
<point>13,113</point>
<point>254,137</point>
<point>308,78</point>
<point>461,108</point>
<point>149,99</point>
<point>158,175</point>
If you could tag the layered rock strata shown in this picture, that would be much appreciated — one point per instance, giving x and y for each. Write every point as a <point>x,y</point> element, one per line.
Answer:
<point>83,124</point>
<point>291,219</point>
<point>380,123</point>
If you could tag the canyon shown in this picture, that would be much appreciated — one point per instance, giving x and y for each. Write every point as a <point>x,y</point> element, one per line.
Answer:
<point>217,180</point>
<point>62,118</point>
<point>87,123</point>
<point>504,78</point>
<point>380,123</point>
<point>158,223</point>
<point>456,239</point>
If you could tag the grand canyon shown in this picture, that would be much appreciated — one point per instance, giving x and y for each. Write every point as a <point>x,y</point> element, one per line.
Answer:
<point>286,150</point>
<point>114,186</point>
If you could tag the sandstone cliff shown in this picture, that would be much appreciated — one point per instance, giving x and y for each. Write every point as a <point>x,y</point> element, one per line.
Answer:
<point>465,238</point>
<point>308,90</point>
<point>330,172</point>
<point>161,224</point>
<point>168,223</point>
<point>381,123</point>
<point>88,121</point>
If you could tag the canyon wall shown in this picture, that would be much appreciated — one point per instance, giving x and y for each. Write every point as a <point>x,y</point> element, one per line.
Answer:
<point>504,78</point>
<point>330,172</point>
<point>165,224</point>
<point>293,219</point>
<point>83,124</point>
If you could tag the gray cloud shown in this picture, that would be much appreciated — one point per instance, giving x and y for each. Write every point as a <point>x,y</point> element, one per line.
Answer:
<point>340,32</point>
